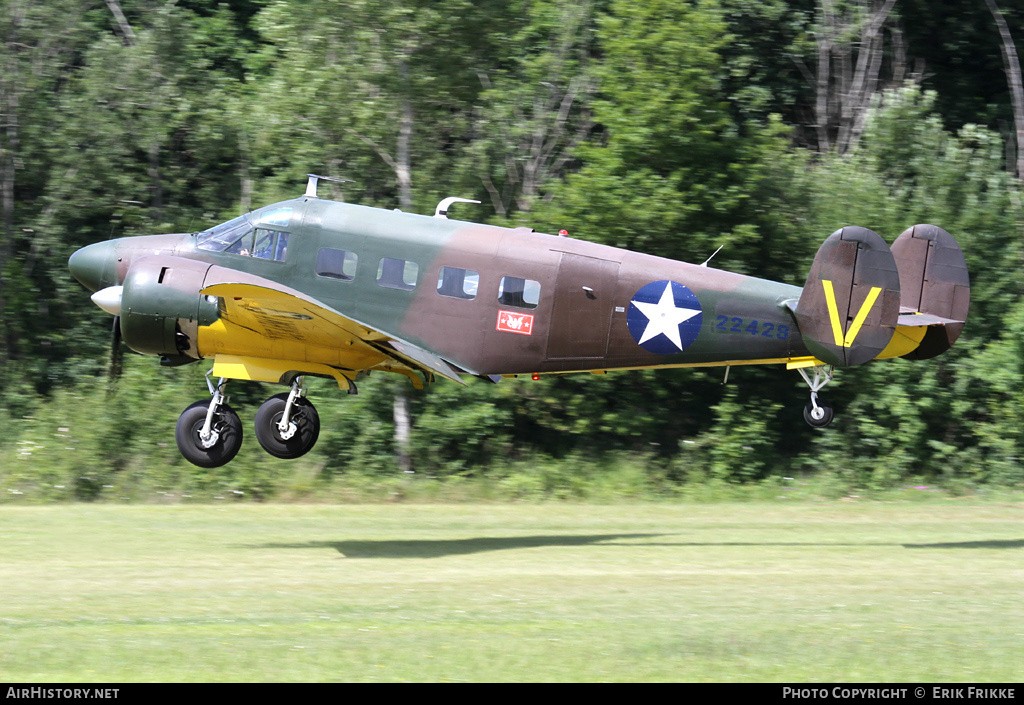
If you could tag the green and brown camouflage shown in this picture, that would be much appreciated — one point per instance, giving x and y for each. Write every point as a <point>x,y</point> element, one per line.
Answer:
<point>315,287</point>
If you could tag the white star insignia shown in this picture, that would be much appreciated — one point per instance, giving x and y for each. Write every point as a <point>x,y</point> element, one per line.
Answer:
<point>664,317</point>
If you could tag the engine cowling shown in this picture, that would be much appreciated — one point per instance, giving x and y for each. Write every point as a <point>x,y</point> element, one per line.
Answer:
<point>162,309</point>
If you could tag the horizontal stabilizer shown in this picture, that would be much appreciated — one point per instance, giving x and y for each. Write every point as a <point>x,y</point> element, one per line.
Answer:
<point>850,304</point>
<point>934,282</point>
<point>924,319</point>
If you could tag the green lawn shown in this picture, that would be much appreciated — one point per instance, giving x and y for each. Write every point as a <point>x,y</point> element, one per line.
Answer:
<point>805,592</point>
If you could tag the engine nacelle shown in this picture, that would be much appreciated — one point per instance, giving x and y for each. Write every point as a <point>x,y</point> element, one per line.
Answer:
<point>162,309</point>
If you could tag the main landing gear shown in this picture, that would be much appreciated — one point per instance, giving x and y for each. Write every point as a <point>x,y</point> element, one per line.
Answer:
<point>287,425</point>
<point>818,412</point>
<point>209,434</point>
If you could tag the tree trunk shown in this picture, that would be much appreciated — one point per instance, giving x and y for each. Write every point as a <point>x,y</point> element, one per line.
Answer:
<point>8,155</point>
<point>245,184</point>
<point>9,138</point>
<point>403,172</point>
<point>844,87</point>
<point>1013,79</point>
<point>127,35</point>
<point>403,430</point>
<point>865,80</point>
<point>156,186</point>
<point>403,165</point>
<point>821,87</point>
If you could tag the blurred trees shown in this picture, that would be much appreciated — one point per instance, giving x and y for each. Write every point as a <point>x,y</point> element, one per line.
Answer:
<point>668,127</point>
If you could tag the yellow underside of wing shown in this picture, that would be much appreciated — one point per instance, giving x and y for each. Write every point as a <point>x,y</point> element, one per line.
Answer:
<point>267,335</point>
<point>260,369</point>
<point>264,323</point>
<point>238,339</point>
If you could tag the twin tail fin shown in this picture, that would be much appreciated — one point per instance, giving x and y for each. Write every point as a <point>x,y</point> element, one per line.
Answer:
<point>863,300</point>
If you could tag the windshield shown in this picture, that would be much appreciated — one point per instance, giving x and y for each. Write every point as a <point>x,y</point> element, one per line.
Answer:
<point>235,236</point>
<point>221,238</point>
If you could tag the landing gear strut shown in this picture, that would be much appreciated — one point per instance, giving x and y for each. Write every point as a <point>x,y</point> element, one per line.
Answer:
<point>818,412</point>
<point>209,434</point>
<point>287,425</point>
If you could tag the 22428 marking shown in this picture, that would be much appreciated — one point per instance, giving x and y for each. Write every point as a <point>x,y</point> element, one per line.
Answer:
<point>764,329</point>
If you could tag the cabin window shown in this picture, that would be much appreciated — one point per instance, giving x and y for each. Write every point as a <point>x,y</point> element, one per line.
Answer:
<point>336,264</point>
<point>397,273</point>
<point>458,283</point>
<point>270,244</point>
<point>523,293</point>
<point>232,236</point>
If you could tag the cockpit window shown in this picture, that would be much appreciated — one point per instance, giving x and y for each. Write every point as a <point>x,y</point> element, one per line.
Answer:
<point>227,237</point>
<point>270,244</point>
<point>237,237</point>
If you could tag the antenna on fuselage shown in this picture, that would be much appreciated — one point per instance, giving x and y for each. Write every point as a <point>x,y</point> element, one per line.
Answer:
<point>315,178</point>
<point>705,263</point>
<point>442,208</point>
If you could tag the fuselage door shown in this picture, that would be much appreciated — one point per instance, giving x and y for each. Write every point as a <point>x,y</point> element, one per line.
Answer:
<point>582,311</point>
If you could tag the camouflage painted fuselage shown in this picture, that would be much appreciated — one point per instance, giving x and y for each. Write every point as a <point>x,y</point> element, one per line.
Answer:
<point>594,306</point>
<point>314,287</point>
<point>580,321</point>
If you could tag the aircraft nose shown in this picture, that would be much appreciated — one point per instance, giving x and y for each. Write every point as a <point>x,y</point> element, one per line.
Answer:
<point>93,266</point>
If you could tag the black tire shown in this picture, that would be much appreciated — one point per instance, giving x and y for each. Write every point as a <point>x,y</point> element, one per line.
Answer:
<point>227,426</point>
<point>824,416</point>
<point>305,418</point>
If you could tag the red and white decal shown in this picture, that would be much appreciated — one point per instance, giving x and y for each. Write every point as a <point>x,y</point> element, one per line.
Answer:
<point>512,322</point>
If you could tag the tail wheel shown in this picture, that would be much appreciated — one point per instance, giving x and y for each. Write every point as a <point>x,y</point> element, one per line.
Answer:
<point>301,434</point>
<point>220,446</point>
<point>819,415</point>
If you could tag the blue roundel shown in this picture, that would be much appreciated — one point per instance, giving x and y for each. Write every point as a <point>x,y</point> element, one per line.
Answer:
<point>664,317</point>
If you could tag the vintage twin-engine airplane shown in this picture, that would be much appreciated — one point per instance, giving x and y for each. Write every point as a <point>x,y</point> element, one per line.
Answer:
<point>315,287</point>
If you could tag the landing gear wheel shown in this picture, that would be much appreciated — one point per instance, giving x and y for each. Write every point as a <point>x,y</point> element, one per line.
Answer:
<point>225,435</point>
<point>303,429</point>
<point>821,416</point>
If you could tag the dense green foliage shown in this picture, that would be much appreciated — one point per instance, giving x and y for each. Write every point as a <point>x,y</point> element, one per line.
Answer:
<point>664,126</point>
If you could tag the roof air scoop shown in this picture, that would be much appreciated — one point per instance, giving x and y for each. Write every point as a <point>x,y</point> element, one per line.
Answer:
<point>315,178</point>
<point>442,208</point>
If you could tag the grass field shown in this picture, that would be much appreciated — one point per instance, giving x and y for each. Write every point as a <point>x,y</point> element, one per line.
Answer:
<point>828,591</point>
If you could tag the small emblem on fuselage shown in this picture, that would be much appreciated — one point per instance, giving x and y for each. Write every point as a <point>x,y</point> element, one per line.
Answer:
<point>664,317</point>
<point>512,322</point>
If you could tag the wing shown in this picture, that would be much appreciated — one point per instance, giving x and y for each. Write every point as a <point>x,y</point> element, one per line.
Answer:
<point>262,319</point>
